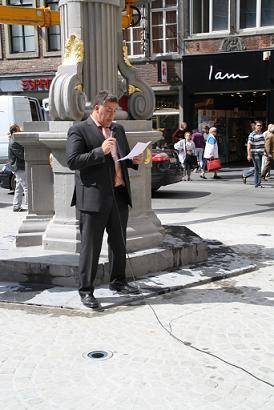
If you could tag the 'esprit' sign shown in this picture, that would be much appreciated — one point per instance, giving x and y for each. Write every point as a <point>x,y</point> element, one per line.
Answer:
<point>36,84</point>
<point>219,75</point>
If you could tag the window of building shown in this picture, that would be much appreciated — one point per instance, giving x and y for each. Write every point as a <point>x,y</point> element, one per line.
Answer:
<point>22,38</point>
<point>135,37</point>
<point>1,55</point>
<point>209,16</point>
<point>53,33</point>
<point>164,26</point>
<point>21,41</point>
<point>256,13</point>
<point>248,13</point>
<point>267,13</point>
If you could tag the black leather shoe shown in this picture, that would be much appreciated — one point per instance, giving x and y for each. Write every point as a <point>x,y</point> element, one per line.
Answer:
<point>91,302</point>
<point>124,288</point>
<point>19,209</point>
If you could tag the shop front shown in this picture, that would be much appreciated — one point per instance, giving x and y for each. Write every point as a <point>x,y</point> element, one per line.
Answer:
<point>229,90</point>
<point>166,115</point>
<point>32,85</point>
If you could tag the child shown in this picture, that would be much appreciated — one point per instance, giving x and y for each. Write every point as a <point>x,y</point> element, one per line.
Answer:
<point>190,159</point>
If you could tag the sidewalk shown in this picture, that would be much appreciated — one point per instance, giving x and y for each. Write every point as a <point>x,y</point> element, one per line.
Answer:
<point>207,347</point>
<point>224,260</point>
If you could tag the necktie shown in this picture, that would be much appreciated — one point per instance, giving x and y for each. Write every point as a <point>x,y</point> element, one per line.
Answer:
<point>118,171</point>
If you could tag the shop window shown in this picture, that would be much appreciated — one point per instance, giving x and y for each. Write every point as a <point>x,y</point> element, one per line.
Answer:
<point>21,40</point>
<point>135,37</point>
<point>256,13</point>
<point>209,16</point>
<point>164,26</point>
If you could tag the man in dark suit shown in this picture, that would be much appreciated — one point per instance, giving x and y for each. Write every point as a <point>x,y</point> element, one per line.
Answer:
<point>102,194</point>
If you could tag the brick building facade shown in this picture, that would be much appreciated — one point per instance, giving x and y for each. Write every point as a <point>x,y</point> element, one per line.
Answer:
<point>172,38</point>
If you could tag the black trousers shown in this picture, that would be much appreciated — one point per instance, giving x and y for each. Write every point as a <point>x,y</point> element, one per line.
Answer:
<point>114,219</point>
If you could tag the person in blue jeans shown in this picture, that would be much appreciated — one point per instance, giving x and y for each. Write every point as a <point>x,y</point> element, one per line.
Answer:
<point>17,163</point>
<point>255,151</point>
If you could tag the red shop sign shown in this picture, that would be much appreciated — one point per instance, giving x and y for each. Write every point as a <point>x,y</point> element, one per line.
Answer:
<point>36,84</point>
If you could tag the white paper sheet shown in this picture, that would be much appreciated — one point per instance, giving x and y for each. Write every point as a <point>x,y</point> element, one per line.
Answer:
<point>136,150</point>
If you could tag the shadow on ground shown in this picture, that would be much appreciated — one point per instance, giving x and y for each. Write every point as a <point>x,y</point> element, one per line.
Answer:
<point>180,194</point>
<point>223,262</point>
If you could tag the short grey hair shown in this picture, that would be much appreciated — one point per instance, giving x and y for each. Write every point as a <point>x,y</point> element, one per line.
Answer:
<point>103,97</point>
<point>212,129</point>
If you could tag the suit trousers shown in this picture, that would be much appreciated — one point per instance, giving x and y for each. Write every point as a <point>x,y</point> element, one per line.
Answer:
<point>114,219</point>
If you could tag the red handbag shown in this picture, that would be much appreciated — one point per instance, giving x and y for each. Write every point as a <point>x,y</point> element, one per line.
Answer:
<point>213,164</point>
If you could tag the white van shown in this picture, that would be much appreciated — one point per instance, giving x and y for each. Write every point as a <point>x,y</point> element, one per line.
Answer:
<point>15,109</point>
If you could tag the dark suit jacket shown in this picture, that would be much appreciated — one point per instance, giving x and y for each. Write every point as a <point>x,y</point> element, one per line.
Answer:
<point>94,171</point>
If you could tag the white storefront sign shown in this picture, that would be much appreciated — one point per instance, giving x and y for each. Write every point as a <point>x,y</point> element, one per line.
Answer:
<point>219,75</point>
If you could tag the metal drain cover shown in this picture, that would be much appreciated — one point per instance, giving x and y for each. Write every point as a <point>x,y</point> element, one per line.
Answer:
<point>98,355</point>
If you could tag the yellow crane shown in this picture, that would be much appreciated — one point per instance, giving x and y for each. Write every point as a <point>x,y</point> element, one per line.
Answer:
<point>29,16</point>
<point>45,17</point>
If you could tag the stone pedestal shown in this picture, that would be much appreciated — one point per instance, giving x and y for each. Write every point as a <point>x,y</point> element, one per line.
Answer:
<point>51,221</point>
<point>62,232</point>
<point>144,228</point>
<point>40,187</point>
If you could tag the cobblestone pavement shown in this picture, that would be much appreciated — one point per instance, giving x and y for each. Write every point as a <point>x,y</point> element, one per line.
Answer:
<point>210,347</point>
<point>224,360</point>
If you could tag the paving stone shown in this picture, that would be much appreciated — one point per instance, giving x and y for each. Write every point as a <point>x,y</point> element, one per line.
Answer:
<point>226,361</point>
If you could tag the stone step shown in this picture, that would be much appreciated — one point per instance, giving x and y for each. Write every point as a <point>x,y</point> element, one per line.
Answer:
<point>33,264</point>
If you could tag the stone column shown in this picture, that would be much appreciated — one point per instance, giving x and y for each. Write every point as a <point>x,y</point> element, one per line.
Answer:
<point>96,24</point>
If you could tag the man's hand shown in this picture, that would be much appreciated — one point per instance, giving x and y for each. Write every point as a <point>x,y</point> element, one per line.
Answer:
<point>249,157</point>
<point>108,144</point>
<point>139,159</point>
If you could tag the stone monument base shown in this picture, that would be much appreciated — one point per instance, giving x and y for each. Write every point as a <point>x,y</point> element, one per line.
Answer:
<point>34,264</point>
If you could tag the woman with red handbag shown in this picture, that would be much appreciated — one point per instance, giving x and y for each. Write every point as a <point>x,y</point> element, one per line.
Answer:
<point>211,155</point>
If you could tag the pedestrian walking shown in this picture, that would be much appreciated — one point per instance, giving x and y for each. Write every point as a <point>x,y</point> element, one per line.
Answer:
<point>102,194</point>
<point>255,151</point>
<point>179,133</point>
<point>199,143</point>
<point>17,163</point>
<point>249,172</point>
<point>210,152</point>
<point>269,151</point>
<point>190,159</point>
<point>180,147</point>
<point>264,159</point>
<point>206,132</point>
